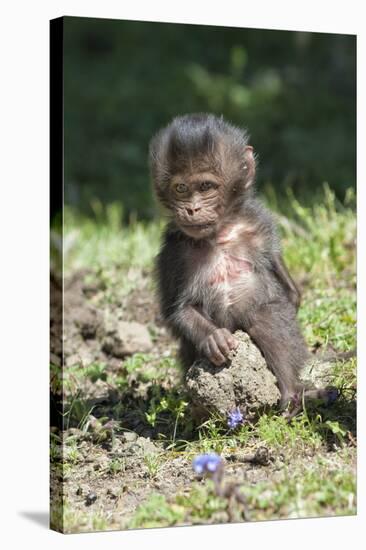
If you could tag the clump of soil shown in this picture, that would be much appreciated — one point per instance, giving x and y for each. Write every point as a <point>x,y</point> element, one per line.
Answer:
<point>92,339</point>
<point>246,382</point>
<point>126,338</point>
<point>85,330</point>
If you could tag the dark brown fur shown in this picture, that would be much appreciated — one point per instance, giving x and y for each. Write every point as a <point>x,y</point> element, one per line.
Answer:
<point>220,267</point>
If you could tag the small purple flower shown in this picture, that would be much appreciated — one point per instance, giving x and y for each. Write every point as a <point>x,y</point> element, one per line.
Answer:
<point>235,418</point>
<point>207,463</point>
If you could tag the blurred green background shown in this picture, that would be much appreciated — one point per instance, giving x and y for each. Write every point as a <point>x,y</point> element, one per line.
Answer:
<point>294,91</point>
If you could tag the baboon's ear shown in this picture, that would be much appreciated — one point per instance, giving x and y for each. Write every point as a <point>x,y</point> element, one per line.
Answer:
<point>249,165</point>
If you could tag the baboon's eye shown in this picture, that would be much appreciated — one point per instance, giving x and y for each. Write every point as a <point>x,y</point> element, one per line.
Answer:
<point>206,185</point>
<point>181,188</point>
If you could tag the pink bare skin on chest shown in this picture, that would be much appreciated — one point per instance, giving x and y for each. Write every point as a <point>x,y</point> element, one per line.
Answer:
<point>230,264</point>
<point>222,269</point>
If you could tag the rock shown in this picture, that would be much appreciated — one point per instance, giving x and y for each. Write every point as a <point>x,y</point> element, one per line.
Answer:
<point>90,499</point>
<point>143,446</point>
<point>72,360</point>
<point>129,437</point>
<point>55,359</point>
<point>246,382</point>
<point>84,356</point>
<point>89,320</point>
<point>317,373</point>
<point>98,391</point>
<point>126,338</point>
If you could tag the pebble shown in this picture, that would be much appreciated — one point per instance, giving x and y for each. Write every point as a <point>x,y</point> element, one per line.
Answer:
<point>90,499</point>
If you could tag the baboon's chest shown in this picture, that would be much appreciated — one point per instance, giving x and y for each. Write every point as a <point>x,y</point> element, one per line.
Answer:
<point>222,278</point>
<point>227,268</point>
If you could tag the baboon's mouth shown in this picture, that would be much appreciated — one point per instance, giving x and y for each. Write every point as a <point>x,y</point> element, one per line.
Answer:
<point>198,225</point>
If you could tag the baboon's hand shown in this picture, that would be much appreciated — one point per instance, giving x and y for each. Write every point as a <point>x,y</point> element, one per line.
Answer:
<point>218,345</point>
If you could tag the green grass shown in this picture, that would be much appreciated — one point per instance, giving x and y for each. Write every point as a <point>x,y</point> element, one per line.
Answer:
<point>116,254</point>
<point>65,519</point>
<point>313,489</point>
<point>157,512</point>
<point>199,505</point>
<point>309,432</point>
<point>105,242</point>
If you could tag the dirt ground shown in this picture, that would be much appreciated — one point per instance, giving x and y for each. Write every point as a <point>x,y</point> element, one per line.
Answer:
<point>109,457</point>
